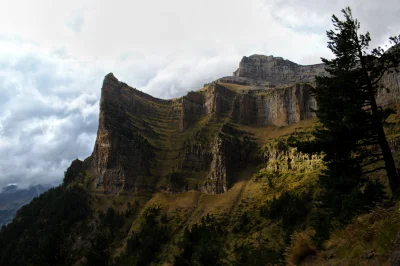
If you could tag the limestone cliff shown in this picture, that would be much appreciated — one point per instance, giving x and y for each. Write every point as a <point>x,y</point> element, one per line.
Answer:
<point>276,70</point>
<point>122,155</point>
<point>196,142</point>
<point>278,106</point>
<point>389,92</point>
<point>144,143</point>
<point>258,71</point>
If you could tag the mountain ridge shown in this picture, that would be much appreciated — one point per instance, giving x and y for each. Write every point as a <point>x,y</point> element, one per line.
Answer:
<point>12,198</point>
<point>149,144</point>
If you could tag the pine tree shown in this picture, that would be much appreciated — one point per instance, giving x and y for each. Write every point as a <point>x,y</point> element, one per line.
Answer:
<point>352,122</point>
<point>351,134</point>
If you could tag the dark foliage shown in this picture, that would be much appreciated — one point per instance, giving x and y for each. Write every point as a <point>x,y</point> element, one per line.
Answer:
<point>113,220</point>
<point>41,233</point>
<point>291,209</point>
<point>99,252</point>
<point>202,244</point>
<point>101,245</point>
<point>144,244</point>
<point>248,255</point>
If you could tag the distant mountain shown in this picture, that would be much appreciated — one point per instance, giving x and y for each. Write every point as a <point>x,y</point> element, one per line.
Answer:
<point>13,198</point>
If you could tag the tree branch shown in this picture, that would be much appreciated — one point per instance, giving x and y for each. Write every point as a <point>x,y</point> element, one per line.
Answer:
<point>372,162</point>
<point>373,155</point>
<point>380,76</point>
<point>376,169</point>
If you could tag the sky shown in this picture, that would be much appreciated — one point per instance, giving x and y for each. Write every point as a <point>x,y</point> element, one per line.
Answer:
<point>55,54</point>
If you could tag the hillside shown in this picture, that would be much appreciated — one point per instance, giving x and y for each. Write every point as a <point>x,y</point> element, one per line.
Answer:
<point>205,179</point>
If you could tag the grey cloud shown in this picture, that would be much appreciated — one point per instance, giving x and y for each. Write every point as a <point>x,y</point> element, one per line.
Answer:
<point>42,127</point>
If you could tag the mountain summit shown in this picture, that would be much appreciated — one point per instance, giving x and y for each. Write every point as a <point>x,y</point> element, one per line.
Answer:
<point>276,70</point>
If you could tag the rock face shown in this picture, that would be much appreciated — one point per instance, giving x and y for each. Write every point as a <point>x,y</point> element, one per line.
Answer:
<point>389,93</point>
<point>124,150</point>
<point>195,142</point>
<point>281,157</point>
<point>278,106</point>
<point>215,100</point>
<point>276,70</point>
<point>261,70</point>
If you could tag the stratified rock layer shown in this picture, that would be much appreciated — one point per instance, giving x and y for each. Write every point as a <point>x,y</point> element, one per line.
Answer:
<point>276,70</point>
<point>196,142</point>
<point>278,106</point>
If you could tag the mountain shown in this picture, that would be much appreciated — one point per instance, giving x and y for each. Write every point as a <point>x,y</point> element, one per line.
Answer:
<point>205,179</point>
<point>276,70</point>
<point>13,198</point>
<point>148,144</point>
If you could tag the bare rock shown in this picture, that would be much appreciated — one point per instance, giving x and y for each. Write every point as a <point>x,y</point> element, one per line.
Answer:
<point>276,70</point>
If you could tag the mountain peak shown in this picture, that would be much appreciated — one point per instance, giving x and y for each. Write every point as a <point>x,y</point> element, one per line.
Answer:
<point>110,76</point>
<point>276,70</point>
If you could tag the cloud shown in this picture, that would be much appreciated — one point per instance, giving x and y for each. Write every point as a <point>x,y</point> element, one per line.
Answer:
<point>75,23</point>
<point>54,55</point>
<point>380,19</point>
<point>48,115</point>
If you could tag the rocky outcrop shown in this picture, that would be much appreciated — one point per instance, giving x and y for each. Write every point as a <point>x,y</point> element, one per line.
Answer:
<point>216,181</point>
<point>278,107</point>
<point>215,100</point>
<point>389,92</point>
<point>123,151</point>
<point>276,70</point>
<point>279,156</point>
<point>232,151</point>
<point>261,70</point>
<point>192,109</point>
<point>73,170</point>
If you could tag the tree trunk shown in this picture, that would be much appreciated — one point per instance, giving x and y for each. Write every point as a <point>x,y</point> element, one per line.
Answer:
<point>390,166</point>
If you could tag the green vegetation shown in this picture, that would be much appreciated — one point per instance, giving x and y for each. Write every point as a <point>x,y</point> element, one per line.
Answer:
<point>201,245</point>
<point>142,244</point>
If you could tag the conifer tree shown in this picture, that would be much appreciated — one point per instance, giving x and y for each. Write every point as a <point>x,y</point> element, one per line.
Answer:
<point>352,122</point>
